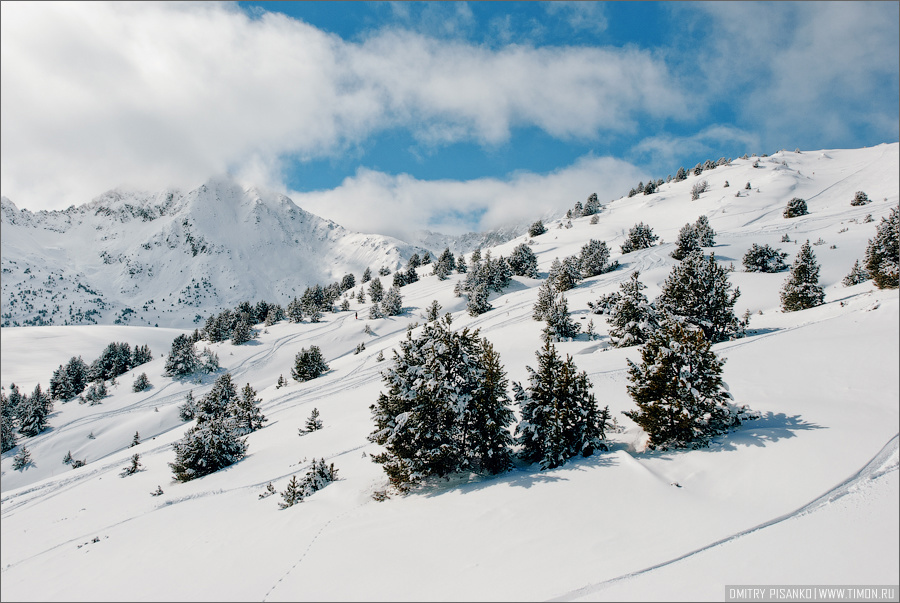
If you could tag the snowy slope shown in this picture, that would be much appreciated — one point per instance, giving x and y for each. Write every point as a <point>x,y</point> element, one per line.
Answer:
<point>808,494</point>
<point>171,258</point>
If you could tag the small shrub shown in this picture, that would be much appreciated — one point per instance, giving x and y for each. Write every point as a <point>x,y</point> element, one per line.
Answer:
<point>795,207</point>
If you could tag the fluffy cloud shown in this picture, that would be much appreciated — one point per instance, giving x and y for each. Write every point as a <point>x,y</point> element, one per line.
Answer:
<point>96,95</point>
<point>400,205</point>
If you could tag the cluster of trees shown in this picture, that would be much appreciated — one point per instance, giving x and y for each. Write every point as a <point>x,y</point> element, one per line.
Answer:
<point>222,417</point>
<point>692,237</point>
<point>71,379</point>
<point>446,409</point>
<point>183,358</point>
<point>22,413</point>
<point>589,208</point>
<point>653,185</point>
<point>640,236</point>
<point>318,476</point>
<point>483,276</point>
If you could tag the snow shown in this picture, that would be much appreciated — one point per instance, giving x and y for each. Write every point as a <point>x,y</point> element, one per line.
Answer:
<point>806,494</point>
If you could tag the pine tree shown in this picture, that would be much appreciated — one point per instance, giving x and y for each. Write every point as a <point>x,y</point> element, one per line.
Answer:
<point>245,412</point>
<point>592,205</point>
<point>376,291</point>
<point>212,443</point>
<point>366,276</point>
<point>795,207</point>
<point>188,410</point>
<point>678,389</point>
<point>640,236</point>
<point>22,459</point>
<point>523,262</point>
<point>392,302</point>
<point>564,275</point>
<point>688,242</point>
<point>698,290</point>
<point>544,301</point>
<point>380,356</point>
<point>182,359</point>
<point>313,423</point>
<point>860,198</point>
<point>883,252</point>
<point>560,325</point>
<point>764,259</point>
<point>699,188</point>
<point>560,418</point>
<point>136,439</point>
<point>141,383</point>
<point>7,428</point>
<point>294,311</point>
<point>857,275</point>
<point>478,301</point>
<point>33,411</point>
<point>241,333</point>
<point>537,229</point>
<point>632,319</point>
<point>802,290</point>
<point>281,382</point>
<point>706,236</point>
<point>594,258</point>
<point>433,311</point>
<point>444,408</point>
<point>292,495</point>
<point>133,468</point>
<point>308,364</point>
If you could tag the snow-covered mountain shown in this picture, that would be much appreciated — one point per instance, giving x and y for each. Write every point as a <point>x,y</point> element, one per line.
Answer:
<point>807,494</point>
<point>172,258</point>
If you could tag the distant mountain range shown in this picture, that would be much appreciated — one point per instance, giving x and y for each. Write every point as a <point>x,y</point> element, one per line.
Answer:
<point>171,258</point>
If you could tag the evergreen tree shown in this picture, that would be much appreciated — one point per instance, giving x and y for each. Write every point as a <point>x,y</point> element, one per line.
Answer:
<point>698,290</point>
<point>478,301</point>
<point>560,325</point>
<point>564,275</point>
<point>857,275</point>
<point>414,261</point>
<point>366,276</point>
<point>70,380</point>
<point>427,419</point>
<point>241,333</point>
<point>432,313</point>
<point>883,252</point>
<point>461,267</point>
<point>560,418</point>
<point>188,410</point>
<point>308,364</point>
<point>523,262</point>
<point>376,291</point>
<point>294,311</point>
<point>348,282</point>
<point>318,476</point>
<point>795,207</point>
<point>632,319</point>
<point>141,383</point>
<point>640,236</point>
<point>680,174</point>
<point>182,359</point>
<point>678,389</point>
<point>133,468</point>
<point>444,265</point>
<point>706,236</point>
<point>313,423</point>
<point>392,302</point>
<point>34,412</point>
<point>142,355</point>
<point>136,439</point>
<point>698,189</point>
<point>281,382</point>
<point>212,443</point>
<point>537,229</point>
<point>594,258</point>
<point>7,430</point>
<point>764,259</point>
<point>292,495</point>
<point>544,301</point>
<point>361,296</point>
<point>688,242</point>
<point>591,206</point>
<point>802,290</point>
<point>245,413</point>
<point>22,459</point>
<point>860,198</point>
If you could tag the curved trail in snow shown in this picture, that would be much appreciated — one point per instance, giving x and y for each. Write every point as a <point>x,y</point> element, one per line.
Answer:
<point>885,461</point>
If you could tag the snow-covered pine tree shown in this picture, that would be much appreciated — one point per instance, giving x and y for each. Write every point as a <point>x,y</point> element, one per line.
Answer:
<point>764,259</point>
<point>699,188</point>
<point>591,206</point>
<point>698,290</point>
<point>212,443</point>
<point>860,198</point>
<point>633,318</point>
<point>461,267</point>
<point>141,383</point>
<point>795,207</point>
<point>8,438</point>
<point>544,301</point>
<point>308,364</point>
<point>242,332</point>
<point>294,311</point>
<point>883,252</point>
<point>560,418</point>
<point>478,300</point>
<point>366,276</point>
<point>678,389</point>
<point>433,311</point>
<point>392,302</point>
<point>22,459</point>
<point>33,412</point>
<point>313,422</point>
<point>688,242</point>
<point>425,419</point>
<point>182,359</point>
<point>318,476</point>
<point>857,275</point>
<point>245,412</point>
<point>802,290</point>
<point>188,410</point>
<point>292,495</point>
<point>133,468</point>
<point>560,325</point>
<point>136,439</point>
<point>523,262</point>
<point>594,258</point>
<point>537,229</point>
<point>706,236</point>
<point>376,290</point>
<point>444,265</point>
<point>564,275</point>
<point>640,236</point>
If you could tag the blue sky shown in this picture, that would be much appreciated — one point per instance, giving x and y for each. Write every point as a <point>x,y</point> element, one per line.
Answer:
<point>455,116</point>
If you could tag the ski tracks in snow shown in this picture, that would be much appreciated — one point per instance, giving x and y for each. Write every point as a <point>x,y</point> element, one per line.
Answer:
<point>885,461</point>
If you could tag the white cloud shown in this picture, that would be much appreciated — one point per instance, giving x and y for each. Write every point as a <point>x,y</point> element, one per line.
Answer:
<point>665,149</point>
<point>150,95</point>
<point>588,16</point>
<point>398,205</point>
